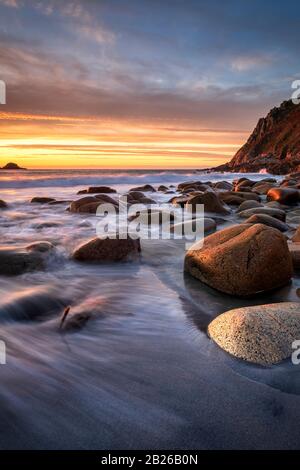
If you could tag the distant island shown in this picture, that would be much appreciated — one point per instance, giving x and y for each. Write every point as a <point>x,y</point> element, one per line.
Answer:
<point>12,166</point>
<point>274,145</point>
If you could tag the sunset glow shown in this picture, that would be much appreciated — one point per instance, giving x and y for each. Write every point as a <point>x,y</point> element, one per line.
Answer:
<point>96,85</point>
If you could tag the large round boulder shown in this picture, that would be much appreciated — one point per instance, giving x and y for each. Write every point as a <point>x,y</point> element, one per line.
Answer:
<point>262,334</point>
<point>283,195</point>
<point>241,260</point>
<point>100,250</point>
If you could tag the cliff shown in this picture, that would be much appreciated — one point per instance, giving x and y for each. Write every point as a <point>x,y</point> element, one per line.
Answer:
<point>274,144</point>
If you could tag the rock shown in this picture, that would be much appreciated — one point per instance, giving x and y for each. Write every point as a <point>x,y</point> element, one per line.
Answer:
<point>188,184</point>
<point>42,200</point>
<point>18,261</point>
<point>137,197</point>
<point>40,247</point>
<point>106,250</point>
<point>100,189</point>
<point>211,203</point>
<point>267,220</point>
<point>12,166</point>
<point>162,188</point>
<point>295,253</point>
<point>186,227</point>
<point>243,195</point>
<point>196,188</point>
<point>283,195</point>
<point>56,203</point>
<point>89,204</point>
<point>150,216</point>
<point>179,201</point>
<point>230,199</point>
<point>277,213</point>
<point>241,260</point>
<point>275,205</point>
<point>262,188</point>
<point>145,188</point>
<point>262,334</point>
<point>296,236</point>
<point>244,185</point>
<point>3,204</point>
<point>248,205</point>
<point>223,185</point>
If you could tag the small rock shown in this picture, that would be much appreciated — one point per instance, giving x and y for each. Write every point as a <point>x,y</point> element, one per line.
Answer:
<point>100,189</point>
<point>107,249</point>
<point>42,200</point>
<point>145,188</point>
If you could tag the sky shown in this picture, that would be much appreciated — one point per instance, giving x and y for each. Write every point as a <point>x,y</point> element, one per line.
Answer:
<point>141,83</point>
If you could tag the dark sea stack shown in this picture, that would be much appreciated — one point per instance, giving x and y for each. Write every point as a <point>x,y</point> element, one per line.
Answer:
<point>100,250</point>
<point>274,144</point>
<point>242,260</point>
<point>12,166</point>
<point>262,334</point>
<point>3,204</point>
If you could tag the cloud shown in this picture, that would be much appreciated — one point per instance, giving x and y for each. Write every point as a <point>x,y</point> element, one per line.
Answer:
<point>245,63</point>
<point>10,3</point>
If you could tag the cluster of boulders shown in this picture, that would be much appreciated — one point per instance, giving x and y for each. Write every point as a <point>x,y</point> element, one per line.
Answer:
<point>258,255</point>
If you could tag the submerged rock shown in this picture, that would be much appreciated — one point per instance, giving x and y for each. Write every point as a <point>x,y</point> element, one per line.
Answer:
<point>40,247</point>
<point>14,262</point>
<point>107,249</point>
<point>42,200</point>
<point>242,260</point>
<point>262,334</point>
